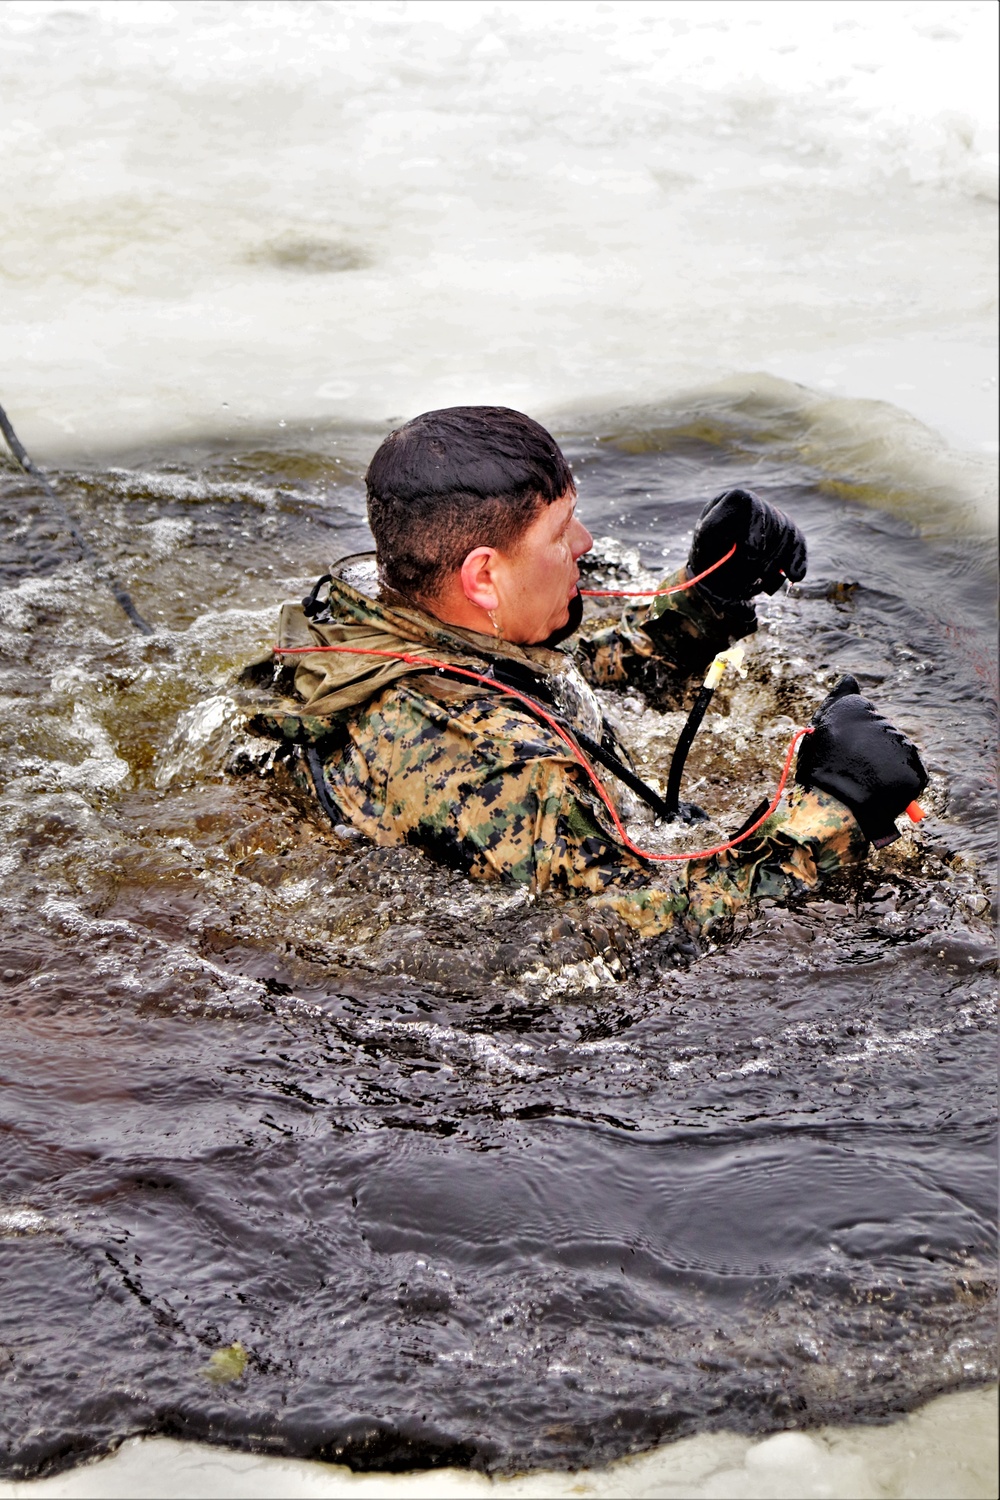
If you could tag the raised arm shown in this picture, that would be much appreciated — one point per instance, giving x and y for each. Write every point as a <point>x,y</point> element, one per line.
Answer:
<point>660,645</point>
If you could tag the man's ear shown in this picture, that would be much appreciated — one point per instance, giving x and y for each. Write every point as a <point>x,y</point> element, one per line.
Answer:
<point>477,575</point>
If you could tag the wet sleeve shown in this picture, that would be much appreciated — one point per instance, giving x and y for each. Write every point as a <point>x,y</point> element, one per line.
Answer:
<point>811,838</point>
<point>674,637</point>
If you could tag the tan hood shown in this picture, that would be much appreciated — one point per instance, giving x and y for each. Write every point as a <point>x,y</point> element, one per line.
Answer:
<point>331,683</point>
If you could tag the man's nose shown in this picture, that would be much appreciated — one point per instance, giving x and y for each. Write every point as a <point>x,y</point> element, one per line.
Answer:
<point>582,539</point>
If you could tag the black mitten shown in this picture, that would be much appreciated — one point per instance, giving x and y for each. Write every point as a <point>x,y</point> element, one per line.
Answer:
<point>769,549</point>
<point>858,757</point>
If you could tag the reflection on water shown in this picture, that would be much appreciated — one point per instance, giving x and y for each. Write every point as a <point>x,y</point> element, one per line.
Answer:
<point>472,1178</point>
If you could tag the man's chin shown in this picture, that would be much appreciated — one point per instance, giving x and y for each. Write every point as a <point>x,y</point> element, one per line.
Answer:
<point>571,624</point>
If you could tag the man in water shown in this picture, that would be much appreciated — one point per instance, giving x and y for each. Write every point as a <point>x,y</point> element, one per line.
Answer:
<point>478,543</point>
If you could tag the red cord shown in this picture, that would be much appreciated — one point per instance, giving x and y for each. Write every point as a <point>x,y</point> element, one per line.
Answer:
<point>675,588</point>
<point>574,749</point>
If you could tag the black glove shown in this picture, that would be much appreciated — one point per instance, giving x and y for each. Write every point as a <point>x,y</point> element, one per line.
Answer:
<point>769,549</point>
<point>858,757</point>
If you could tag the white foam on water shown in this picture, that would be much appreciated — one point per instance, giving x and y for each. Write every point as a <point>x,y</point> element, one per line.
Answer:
<point>945,1451</point>
<point>220,216</point>
<point>583,977</point>
<point>447,1042</point>
<point>165,535</point>
<point>18,1220</point>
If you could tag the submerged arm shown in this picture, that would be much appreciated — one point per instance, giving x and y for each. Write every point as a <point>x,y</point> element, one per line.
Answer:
<point>484,787</point>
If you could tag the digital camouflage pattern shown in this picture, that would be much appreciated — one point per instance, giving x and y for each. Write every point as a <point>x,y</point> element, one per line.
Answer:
<point>472,777</point>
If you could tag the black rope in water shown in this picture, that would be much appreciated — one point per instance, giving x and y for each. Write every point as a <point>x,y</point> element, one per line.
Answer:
<point>118,589</point>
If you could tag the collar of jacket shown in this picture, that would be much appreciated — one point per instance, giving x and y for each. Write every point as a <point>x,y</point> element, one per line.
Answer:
<point>332,683</point>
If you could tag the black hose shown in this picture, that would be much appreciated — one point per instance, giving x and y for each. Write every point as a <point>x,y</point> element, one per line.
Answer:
<point>625,774</point>
<point>118,589</point>
<point>681,749</point>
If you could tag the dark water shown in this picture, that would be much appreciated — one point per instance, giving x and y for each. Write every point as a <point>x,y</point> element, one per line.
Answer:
<point>472,1178</point>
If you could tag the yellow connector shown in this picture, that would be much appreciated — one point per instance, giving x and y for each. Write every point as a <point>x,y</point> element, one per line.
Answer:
<point>731,658</point>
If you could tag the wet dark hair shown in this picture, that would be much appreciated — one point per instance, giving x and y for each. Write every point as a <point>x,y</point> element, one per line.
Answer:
<point>453,480</point>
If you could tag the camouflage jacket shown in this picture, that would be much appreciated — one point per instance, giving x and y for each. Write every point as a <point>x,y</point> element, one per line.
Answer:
<point>472,776</point>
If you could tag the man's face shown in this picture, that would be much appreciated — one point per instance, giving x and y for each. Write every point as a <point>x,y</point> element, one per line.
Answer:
<point>538,579</point>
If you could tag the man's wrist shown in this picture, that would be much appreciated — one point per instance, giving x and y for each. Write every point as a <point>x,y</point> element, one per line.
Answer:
<point>829,825</point>
<point>735,616</point>
<point>738,617</point>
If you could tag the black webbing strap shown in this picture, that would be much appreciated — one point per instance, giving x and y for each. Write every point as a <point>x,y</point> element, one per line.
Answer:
<point>314,765</point>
